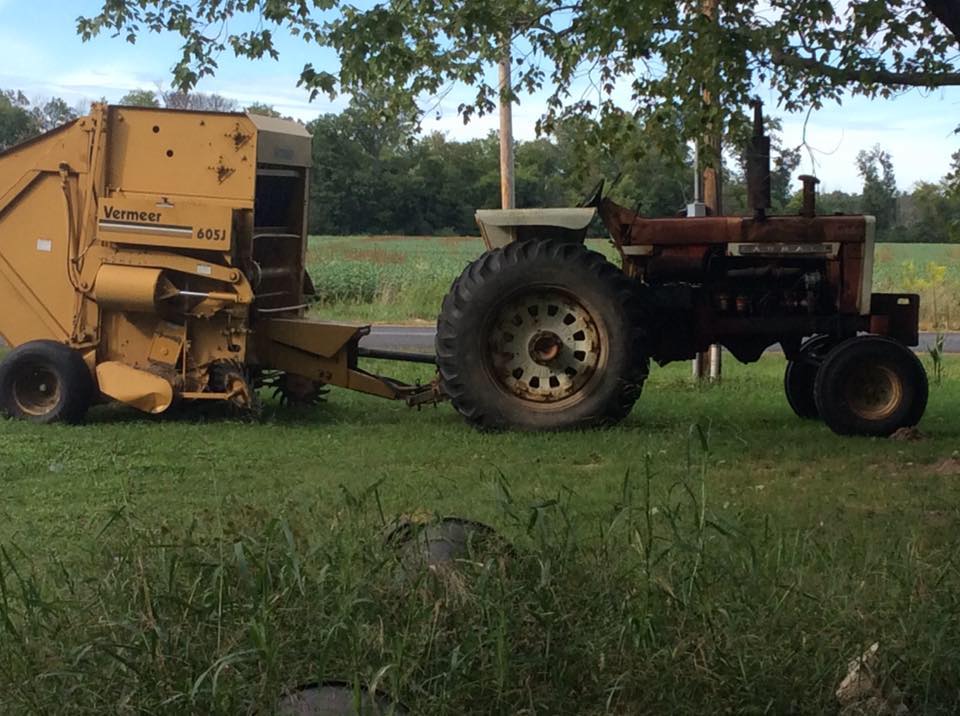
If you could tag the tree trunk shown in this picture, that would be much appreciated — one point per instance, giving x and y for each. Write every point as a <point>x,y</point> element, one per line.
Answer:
<point>508,195</point>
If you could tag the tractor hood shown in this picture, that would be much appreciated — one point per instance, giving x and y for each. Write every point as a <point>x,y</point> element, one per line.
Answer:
<point>502,226</point>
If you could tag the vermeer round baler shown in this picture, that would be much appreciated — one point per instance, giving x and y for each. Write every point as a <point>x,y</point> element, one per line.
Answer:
<point>149,256</point>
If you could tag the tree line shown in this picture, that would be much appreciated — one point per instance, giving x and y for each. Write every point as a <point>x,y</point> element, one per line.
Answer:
<point>375,173</point>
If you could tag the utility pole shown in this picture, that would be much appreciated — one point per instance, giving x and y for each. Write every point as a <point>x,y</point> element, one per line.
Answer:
<point>507,193</point>
<point>712,362</point>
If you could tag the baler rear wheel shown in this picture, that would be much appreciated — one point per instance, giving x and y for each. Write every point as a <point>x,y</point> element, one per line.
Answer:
<point>45,382</point>
<point>801,374</point>
<point>542,335</point>
<point>871,385</point>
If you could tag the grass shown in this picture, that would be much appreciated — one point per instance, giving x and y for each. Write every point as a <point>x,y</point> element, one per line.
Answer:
<point>391,279</point>
<point>712,554</point>
<point>386,279</point>
<point>932,270</point>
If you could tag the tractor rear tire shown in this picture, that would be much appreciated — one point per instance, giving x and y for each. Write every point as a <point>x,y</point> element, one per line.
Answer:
<point>542,335</point>
<point>45,382</point>
<point>871,385</point>
<point>801,374</point>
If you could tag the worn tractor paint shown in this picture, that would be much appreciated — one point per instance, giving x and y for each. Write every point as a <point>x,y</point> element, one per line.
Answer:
<point>551,360</point>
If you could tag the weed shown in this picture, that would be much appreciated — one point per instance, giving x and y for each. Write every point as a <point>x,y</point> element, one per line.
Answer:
<point>936,352</point>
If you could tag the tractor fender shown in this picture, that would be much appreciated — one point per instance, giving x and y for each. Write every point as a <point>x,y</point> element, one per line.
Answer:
<point>500,227</point>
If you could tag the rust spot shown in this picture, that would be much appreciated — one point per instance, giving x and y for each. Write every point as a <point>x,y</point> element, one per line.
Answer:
<point>223,171</point>
<point>239,137</point>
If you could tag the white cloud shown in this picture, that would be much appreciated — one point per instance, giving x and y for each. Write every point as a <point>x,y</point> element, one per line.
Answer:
<point>103,81</point>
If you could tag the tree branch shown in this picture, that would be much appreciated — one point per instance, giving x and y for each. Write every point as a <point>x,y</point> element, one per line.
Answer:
<point>854,75</point>
<point>947,12</point>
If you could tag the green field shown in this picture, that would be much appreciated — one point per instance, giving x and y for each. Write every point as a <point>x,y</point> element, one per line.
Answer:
<point>712,554</point>
<point>388,279</point>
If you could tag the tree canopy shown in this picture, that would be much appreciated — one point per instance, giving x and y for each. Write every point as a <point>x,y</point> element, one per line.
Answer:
<point>879,186</point>
<point>16,122</point>
<point>652,60</point>
<point>375,174</point>
<point>19,120</point>
<point>140,98</point>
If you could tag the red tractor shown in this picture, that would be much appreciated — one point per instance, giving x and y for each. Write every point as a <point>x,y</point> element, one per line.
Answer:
<point>542,333</point>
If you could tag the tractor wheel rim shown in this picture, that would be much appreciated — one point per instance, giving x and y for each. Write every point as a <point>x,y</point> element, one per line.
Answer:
<point>874,392</point>
<point>544,345</point>
<point>36,391</point>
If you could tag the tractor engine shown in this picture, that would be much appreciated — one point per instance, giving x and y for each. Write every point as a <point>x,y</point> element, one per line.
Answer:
<point>748,287</point>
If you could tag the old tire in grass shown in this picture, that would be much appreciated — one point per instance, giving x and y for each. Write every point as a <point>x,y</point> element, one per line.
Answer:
<point>445,543</point>
<point>45,382</point>
<point>337,698</point>
<point>801,374</point>
<point>542,335</point>
<point>870,385</point>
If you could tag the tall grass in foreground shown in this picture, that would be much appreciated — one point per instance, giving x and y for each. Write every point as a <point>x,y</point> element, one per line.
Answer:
<point>652,604</point>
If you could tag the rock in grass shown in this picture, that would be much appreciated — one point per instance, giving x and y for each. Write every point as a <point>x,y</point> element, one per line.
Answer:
<point>861,692</point>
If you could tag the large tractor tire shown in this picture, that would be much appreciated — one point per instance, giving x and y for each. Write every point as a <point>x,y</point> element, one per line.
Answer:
<point>45,382</point>
<point>801,374</point>
<point>541,335</point>
<point>871,385</point>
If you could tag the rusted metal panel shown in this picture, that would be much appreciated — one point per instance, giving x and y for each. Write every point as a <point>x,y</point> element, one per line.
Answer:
<point>629,229</point>
<point>851,263</point>
<point>896,315</point>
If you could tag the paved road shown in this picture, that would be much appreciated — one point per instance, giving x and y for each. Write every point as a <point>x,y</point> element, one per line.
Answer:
<point>419,339</point>
<point>404,339</point>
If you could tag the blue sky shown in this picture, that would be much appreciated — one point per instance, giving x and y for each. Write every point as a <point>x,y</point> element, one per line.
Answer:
<point>41,55</point>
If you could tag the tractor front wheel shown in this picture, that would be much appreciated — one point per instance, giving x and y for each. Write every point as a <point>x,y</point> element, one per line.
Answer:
<point>45,382</point>
<point>871,385</point>
<point>541,335</point>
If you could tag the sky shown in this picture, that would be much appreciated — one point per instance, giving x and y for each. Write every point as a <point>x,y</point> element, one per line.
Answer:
<point>41,55</point>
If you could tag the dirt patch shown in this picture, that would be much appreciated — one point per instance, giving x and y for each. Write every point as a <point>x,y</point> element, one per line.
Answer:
<point>908,435</point>
<point>380,257</point>
<point>949,467</point>
<point>589,462</point>
<point>422,238</point>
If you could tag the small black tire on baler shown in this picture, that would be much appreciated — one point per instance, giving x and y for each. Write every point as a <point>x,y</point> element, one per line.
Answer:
<point>801,374</point>
<point>45,382</point>
<point>542,335</point>
<point>872,386</point>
